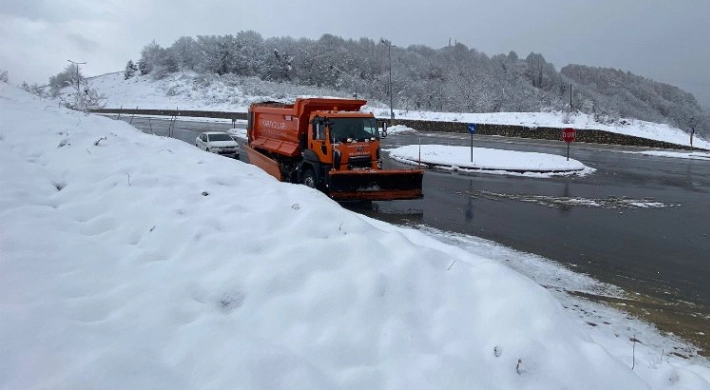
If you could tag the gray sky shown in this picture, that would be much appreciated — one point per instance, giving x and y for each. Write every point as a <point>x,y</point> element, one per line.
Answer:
<point>660,39</point>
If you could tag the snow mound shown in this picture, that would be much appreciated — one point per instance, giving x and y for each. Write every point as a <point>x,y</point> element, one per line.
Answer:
<point>134,261</point>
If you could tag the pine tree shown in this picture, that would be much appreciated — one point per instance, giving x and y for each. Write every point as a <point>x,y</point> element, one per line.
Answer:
<point>144,66</point>
<point>131,69</point>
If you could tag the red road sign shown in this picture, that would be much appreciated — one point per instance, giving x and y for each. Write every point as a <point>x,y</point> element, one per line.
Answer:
<point>568,134</point>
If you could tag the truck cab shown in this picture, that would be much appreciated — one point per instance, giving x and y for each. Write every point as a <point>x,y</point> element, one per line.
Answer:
<point>343,142</point>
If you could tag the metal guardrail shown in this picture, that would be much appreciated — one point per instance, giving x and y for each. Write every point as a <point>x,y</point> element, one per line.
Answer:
<point>173,113</point>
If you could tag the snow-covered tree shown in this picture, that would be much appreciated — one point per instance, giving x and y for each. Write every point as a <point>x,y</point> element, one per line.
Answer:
<point>70,77</point>
<point>130,70</point>
<point>186,52</point>
<point>34,89</point>
<point>250,53</point>
<point>150,57</point>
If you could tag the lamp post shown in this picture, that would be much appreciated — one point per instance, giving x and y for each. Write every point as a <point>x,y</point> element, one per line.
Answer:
<point>389,47</point>
<point>77,74</point>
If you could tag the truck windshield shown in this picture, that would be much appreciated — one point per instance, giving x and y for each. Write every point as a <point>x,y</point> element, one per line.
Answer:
<point>354,128</point>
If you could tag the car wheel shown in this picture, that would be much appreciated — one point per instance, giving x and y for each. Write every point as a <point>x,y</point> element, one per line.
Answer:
<point>207,149</point>
<point>309,178</point>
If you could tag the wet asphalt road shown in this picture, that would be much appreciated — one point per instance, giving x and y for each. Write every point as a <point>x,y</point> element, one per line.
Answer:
<point>663,252</point>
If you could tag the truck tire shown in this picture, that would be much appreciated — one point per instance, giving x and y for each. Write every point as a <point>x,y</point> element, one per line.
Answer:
<point>309,178</point>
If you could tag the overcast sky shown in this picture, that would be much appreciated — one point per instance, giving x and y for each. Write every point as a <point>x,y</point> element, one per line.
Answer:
<point>664,40</point>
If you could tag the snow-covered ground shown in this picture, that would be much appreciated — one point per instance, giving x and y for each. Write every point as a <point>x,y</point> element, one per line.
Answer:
<point>134,261</point>
<point>703,156</point>
<point>228,93</point>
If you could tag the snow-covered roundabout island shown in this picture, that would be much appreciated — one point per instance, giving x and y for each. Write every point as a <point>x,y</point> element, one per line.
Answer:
<point>487,160</point>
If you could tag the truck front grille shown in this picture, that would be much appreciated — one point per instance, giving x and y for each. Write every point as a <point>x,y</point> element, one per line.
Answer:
<point>359,162</point>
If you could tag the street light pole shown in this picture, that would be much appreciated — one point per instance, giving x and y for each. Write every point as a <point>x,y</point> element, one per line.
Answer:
<point>389,47</point>
<point>77,75</point>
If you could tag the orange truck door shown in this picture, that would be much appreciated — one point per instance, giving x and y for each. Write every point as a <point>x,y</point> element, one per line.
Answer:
<point>318,142</point>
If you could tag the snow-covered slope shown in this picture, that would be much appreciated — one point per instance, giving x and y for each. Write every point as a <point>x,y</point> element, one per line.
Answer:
<point>187,90</point>
<point>192,91</point>
<point>134,261</point>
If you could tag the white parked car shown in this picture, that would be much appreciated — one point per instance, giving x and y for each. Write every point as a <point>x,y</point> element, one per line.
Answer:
<point>218,142</point>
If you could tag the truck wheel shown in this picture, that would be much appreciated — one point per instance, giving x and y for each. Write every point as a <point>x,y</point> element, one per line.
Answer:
<point>309,178</point>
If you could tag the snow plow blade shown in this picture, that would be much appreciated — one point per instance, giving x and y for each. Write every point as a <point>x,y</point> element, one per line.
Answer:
<point>270,166</point>
<point>398,184</point>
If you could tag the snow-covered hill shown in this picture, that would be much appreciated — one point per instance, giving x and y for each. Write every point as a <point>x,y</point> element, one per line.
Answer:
<point>134,261</point>
<point>191,91</point>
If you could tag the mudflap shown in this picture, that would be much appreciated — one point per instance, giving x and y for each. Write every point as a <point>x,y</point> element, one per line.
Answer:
<point>396,184</point>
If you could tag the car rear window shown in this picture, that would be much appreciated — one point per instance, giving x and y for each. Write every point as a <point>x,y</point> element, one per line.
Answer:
<point>220,137</point>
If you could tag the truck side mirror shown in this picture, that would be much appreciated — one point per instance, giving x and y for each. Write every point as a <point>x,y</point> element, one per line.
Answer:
<point>384,130</point>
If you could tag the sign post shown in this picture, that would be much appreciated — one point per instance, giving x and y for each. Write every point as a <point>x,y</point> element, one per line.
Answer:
<point>472,131</point>
<point>568,136</point>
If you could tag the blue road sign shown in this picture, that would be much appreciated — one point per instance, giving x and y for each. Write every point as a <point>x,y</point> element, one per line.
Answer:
<point>472,128</point>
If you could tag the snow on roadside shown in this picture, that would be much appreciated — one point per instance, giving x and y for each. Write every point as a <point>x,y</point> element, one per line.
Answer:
<point>400,129</point>
<point>703,156</point>
<point>579,121</point>
<point>134,261</point>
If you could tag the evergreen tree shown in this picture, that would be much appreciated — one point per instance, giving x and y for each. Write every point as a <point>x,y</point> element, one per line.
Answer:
<point>131,69</point>
<point>144,66</point>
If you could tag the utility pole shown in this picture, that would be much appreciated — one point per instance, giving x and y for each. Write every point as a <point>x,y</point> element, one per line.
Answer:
<point>389,47</point>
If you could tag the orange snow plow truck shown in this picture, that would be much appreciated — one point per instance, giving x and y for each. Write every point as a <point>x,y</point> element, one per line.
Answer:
<point>328,144</point>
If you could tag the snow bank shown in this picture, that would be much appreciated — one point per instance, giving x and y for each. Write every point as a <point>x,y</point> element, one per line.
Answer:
<point>578,121</point>
<point>133,261</point>
<point>703,156</point>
